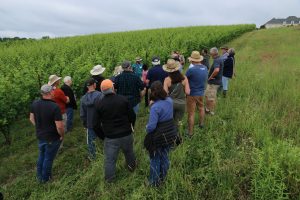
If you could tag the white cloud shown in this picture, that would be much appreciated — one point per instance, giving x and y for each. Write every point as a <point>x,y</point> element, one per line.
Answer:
<point>35,18</point>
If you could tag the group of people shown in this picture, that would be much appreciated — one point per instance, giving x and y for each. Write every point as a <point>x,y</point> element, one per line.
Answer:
<point>109,108</point>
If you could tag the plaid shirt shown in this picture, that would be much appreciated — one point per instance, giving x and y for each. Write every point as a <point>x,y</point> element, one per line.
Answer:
<point>130,85</point>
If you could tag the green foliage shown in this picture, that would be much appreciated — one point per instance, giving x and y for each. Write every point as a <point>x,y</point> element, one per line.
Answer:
<point>26,65</point>
<point>248,150</point>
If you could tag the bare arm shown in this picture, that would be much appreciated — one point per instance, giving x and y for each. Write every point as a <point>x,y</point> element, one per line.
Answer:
<point>215,72</point>
<point>167,84</point>
<point>186,86</point>
<point>31,118</point>
<point>60,129</point>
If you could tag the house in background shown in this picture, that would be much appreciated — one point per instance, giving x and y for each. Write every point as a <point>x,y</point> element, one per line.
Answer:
<point>275,23</point>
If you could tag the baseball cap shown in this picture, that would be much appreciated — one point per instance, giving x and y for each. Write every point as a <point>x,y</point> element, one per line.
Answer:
<point>106,84</point>
<point>45,89</point>
<point>126,64</point>
<point>155,60</point>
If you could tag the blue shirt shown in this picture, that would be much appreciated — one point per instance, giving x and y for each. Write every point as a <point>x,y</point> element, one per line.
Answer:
<point>218,63</point>
<point>156,73</point>
<point>160,111</point>
<point>197,76</point>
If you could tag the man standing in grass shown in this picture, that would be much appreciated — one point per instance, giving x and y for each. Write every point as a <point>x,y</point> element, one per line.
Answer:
<point>137,67</point>
<point>214,81</point>
<point>116,117</point>
<point>71,106</point>
<point>45,115</point>
<point>87,113</point>
<point>130,86</point>
<point>197,76</point>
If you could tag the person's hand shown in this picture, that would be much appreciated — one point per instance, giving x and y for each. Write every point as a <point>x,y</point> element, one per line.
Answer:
<point>151,102</point>
<point>61,138</point>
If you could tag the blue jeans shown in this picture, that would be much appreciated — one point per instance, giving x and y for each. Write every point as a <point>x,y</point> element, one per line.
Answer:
<point>47,153</point>
<point>136,108</point>
<point>70,113</point>
<point>225,81</point>
<point>159,165</point>
<point>91,139</point>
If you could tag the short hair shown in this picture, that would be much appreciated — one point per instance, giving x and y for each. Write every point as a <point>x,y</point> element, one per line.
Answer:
<point>126,64</point>
<point>67,79</point>
<point>214,50</point>
<point>157,91</point>
<point>231,51</point>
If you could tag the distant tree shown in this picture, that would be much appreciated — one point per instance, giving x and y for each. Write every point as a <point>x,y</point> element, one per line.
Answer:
<point>45,37</point>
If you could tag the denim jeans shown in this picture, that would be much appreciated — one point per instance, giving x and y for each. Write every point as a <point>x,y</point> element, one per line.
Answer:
<point>111,151</point>
<point>47,153</point>
<point>70,113</point>
<point>91,139</point>
<point>159,165</point>
<point>225,81</point>
<point>136,108</point>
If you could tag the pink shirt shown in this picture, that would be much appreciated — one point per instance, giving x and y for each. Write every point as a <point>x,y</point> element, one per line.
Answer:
<point>144,76</point>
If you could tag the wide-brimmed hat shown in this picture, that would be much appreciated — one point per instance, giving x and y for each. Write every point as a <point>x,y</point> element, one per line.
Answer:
<point>118,70</point>
<point>224,47</point>
<point>195,57</point>
<point>171,66</point>
<point>97,70</point>
<point>139,59</point>
<point>53,78</point>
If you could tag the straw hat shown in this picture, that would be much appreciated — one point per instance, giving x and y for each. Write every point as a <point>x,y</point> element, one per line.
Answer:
<point>171,66</point>
<point>224,47</point>
<point>98,69</point>
<point>118,70</point>
<point>195,57</point>
<point>53,79</point>
<point>139,59</point>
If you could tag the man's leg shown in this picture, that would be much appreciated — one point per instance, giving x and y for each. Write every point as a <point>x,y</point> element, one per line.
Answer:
<point>191,106</point>
<point>127,148</point>
<point>225,81</point>
<point>70,113</point>
<point>91,143</point>
<point>111,150</point>
<point>50,152</point>
<point>200,106</point>
<point>40,161</point>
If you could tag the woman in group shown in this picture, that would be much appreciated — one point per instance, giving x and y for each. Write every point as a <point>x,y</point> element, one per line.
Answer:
<point>177,86</point>
<point>228,70</point>
<point>161,133</point>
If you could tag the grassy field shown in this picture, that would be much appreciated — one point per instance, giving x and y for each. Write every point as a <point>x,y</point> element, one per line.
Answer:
<point>249,150</point>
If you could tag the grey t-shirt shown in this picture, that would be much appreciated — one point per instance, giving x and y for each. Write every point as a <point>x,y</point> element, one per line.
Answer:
<point>217,63</point>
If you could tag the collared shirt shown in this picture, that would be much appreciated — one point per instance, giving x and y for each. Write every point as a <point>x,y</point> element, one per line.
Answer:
<point>129,85</point>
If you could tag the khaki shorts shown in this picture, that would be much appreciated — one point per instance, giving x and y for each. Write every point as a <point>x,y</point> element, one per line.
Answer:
<point>211,92</point>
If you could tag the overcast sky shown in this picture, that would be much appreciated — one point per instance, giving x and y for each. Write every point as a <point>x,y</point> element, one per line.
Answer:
<point>55,18</point>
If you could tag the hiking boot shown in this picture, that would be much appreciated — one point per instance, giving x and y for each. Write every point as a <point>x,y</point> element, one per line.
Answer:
<point>201,126</point>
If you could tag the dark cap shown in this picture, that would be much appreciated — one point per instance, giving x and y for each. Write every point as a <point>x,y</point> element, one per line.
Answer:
<point>126,64</point>
<point>90,82</point>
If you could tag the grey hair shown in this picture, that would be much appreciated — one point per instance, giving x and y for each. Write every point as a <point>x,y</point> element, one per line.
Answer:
<point>214,50</point>
<point>67,79</point>
<point>108,91</point>
<point>231,51</point>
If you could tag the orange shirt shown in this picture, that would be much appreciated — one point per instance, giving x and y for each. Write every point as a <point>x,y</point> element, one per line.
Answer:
<point>60,99</point>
